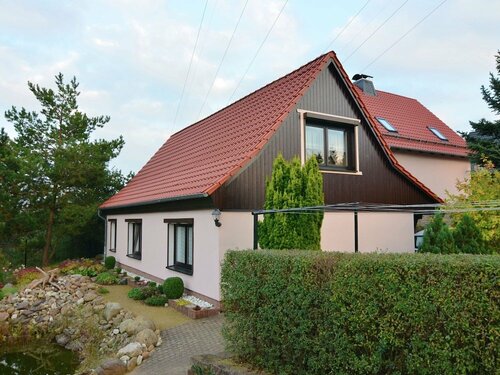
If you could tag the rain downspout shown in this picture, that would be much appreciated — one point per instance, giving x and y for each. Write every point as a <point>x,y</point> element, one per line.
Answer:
<point>105,231</point>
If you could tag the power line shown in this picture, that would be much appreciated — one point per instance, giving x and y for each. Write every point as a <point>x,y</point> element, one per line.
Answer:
<point>346,26</point>
<point>377,29</point>
<point>258,50</point>
<point>190,63</point>
<point>404,35</point>
<point>223,57</point>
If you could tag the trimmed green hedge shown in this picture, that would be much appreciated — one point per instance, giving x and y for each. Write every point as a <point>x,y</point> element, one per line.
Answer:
<point>323,313</point>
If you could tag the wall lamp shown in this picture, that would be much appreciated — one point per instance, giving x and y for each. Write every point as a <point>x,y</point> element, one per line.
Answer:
<point>216,216</point>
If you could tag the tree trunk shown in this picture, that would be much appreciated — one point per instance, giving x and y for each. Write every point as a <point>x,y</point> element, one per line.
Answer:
<point>48,239</point>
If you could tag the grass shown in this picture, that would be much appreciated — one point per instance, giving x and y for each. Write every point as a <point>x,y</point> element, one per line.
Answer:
<point>163,317</point>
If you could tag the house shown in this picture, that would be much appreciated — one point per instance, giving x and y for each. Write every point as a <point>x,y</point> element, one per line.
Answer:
<point>165,222</point>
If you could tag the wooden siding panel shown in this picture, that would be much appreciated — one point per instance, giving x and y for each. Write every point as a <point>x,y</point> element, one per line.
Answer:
<point>380,182</point>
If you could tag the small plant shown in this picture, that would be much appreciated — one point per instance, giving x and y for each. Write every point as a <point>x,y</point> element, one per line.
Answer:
<point>106,278</point>
<point>152,284</point>
<point>182,302</point>
<point>1,294</point>
<point>137,279</point>
<point>102,290</point>
<point>24,276</point>
<point>160,300</point>
<point>118,270</point>
<point>136,294</point>
<point>173,287</point>
<point>110,262</point>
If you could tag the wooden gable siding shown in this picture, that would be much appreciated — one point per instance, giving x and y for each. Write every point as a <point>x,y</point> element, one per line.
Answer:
<point>380,182</point>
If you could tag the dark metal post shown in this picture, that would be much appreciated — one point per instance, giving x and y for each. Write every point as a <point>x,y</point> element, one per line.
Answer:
<point>255,231</point>
<point>356,245</point>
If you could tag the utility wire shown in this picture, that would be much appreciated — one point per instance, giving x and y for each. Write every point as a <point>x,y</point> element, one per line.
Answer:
<point>190,63</point>
<point>257,52</point>
<point>404,35</point>
<point>346,26</point>
<point>376,30</point>
<point>222,60</point>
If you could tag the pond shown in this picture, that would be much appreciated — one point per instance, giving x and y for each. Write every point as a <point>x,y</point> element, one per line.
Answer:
<point>37,359</point>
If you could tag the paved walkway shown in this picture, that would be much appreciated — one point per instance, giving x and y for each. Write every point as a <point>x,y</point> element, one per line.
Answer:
<point>180,343</point>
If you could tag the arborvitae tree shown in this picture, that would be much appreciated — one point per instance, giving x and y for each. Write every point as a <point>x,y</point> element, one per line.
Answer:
<point>437,237</point>
<point>485,139</point>
<point>293,186</point>
<point>62,173</point>
<point>468,238</point>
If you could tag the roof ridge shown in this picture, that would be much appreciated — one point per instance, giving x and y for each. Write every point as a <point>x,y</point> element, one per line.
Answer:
<point>253,92</point>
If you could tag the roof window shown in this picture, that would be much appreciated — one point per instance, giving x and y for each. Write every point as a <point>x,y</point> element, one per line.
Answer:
<point>386,124</point>
<point>438,134</point>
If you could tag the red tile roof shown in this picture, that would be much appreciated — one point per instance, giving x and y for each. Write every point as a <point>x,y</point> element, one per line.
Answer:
<point>412,121</point>
<point>197,160</point>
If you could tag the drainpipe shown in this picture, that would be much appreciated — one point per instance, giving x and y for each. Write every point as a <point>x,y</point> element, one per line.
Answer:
<point>255,230</point>
<point>105,231</point>
<point>356,242</point>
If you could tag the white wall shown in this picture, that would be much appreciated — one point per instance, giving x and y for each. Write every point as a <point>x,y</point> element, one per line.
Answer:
<point>206,269</point>
<point>438,173</point>
<point>385,232</point>
<point>337,232</point>
<point>236,232</point>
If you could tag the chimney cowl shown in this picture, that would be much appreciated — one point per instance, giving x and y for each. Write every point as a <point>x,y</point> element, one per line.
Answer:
<point>364,82</point>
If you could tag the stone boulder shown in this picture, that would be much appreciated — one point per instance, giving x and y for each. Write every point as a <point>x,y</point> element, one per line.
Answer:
<point>147,337</point>
<point>111,310</point>
<point>131,350</point>
<point>112,367</point>
<point>134,326</point>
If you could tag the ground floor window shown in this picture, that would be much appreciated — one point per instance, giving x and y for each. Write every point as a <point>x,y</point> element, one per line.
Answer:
<point>112,235</point>
<point>134,248</point>
<point>180,245</point>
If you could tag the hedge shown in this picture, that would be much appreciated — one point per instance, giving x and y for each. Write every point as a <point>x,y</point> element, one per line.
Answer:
<point>326,313</point>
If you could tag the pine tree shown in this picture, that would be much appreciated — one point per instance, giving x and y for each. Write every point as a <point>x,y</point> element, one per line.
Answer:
<point>293,186</point>
<point>485,139</point>
<point>62,174</point>
<point>437,237</point>
<point>468,238</point>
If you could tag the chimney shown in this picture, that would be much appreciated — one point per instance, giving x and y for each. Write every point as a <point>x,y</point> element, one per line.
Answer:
<point>364,82</point>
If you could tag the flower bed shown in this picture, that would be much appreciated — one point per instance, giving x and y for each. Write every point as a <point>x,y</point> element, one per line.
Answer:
<point>193,307</point>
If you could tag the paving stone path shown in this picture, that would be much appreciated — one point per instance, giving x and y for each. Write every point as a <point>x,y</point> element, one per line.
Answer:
<point>180,343</point>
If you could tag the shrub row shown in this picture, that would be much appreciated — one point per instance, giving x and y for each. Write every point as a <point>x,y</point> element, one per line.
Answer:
<point>323,313</point>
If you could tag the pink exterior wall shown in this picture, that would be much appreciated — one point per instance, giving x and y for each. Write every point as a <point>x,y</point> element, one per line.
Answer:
<point>385,232</point>
<point>236,232</point>
<point>337,232</point>
<point>438,173</point>
<point>206,267</point>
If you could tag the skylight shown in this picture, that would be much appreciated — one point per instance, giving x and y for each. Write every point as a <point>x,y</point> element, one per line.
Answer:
<point>438,134</point>
<point>386,124</point>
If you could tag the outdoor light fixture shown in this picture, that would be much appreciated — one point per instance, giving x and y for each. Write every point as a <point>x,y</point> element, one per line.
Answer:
<point>216,216</point>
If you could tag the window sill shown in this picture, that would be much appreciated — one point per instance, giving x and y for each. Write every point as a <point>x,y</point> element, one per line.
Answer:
<point>135,256</point>
<point>180,269</point>
<point>353,173</point>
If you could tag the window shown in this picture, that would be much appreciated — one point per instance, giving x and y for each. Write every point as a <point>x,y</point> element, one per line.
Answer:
<point>332,144</point>
<point>438,134</point>
<point>180,245</point>
<point>134,248</point>
<point>386,124</point>
<point>112,235</point>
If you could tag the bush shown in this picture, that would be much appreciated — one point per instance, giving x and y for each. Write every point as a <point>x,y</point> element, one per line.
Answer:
<point>110,262</point>
<point>106,278</point>
<point>468,238</point>
<point>137,278</point>
<point>118,270</point>
<point>152,284</point>
<point>437,237</point>
<point>320,313</point>
<point>24,276</point>
<point>173,287</point>
<point>136,293</point>
<point>160,300</point>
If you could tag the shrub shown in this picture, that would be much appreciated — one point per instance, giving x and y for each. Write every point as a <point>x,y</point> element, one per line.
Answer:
<point>137,278</point>
<point>320,313</point>
<point>159,300</point>
<point>106,278</point>
<point>24,276</point>
<point>468,238</point>
<point>110,262</point>
<point>118,270</point>
<point>437,237</point>
<point>173,287</point>
<point>136,293</point>
<point>152,284</point>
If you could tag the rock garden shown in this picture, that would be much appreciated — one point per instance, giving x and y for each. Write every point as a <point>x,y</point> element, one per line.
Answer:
<point>66,305</point>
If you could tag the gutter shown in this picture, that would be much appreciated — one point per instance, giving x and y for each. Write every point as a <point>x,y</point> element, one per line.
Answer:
<point>156,201</point>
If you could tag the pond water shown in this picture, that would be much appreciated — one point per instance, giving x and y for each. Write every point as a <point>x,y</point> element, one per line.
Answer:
<point>37,359</point>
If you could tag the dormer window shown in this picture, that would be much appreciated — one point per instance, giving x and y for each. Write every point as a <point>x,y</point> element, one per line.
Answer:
<point>386,124</point>
<point>438,134</point>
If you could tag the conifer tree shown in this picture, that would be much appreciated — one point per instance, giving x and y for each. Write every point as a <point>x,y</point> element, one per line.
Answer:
<point>437,237</point>
<point>468,238</point>
<point>293,186</point>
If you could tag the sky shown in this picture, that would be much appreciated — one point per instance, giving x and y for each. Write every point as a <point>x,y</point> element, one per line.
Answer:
<point>132,58</point>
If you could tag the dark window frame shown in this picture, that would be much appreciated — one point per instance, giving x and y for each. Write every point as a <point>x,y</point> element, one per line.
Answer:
<point>350,143</point>
<point>112,222</point>
<point>130,253</point>
<point>173,264</point>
